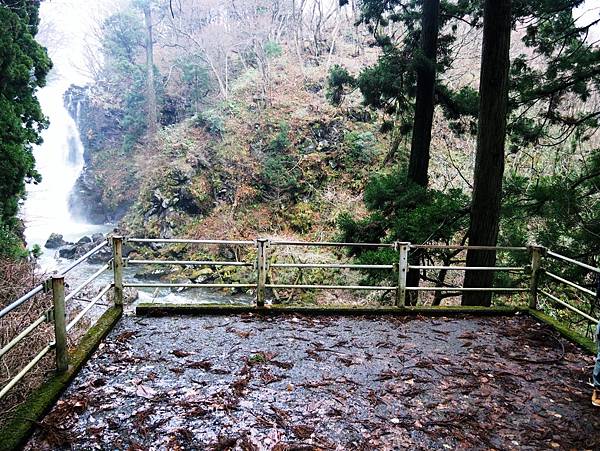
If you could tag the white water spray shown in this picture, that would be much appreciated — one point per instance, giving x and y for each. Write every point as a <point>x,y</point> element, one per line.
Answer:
<point>60,158</point>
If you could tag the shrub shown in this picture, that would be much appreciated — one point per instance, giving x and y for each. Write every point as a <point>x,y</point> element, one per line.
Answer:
<point>362,147</point>
<point>211,121</point>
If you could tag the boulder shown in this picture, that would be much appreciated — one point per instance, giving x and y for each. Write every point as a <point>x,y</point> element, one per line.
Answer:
<point>68,252</point>
<point>54,241</point>
<point>84,240</point>
<point>97,237</point>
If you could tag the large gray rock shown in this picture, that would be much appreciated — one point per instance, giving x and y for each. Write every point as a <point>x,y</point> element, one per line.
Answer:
<point>84,240</point>
<point>54,241</point>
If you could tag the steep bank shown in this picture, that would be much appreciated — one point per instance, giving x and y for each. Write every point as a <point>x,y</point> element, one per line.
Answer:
<point>238,169</point>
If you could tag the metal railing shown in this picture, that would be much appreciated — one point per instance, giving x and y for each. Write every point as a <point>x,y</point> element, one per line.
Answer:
<point>588,294</point>
<point>56,314</point>
<point>262,266</point>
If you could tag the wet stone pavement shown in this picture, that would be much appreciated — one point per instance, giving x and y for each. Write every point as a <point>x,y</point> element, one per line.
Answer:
<point>248,382</point>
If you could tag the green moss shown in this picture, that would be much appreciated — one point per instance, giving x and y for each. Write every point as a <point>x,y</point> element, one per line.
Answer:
<point>20,424</point>
<point>583,342</point>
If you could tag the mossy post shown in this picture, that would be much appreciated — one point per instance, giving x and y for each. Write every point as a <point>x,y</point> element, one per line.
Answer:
<point>261,268</point>
<point>60,326</point>
<point>403,249</point>
<point>117,243</point>
<point>536,271</point>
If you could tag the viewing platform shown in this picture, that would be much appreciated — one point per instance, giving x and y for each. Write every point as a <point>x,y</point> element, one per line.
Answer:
<point>297,377</point>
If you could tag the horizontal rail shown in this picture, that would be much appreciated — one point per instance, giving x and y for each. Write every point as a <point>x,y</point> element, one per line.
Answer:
<point>24,371</point>
<point>568,282</point>
<point>83,258</point>
<point>11,344</point>
<point>570,307</point>
<point>466,247</point>
<point>575,262</point>
<point>190,285</point>
<point>183,241</point>
<point>89,280</point>
<point>328,244</point>
<point>460,289</point>
<point>471,268</point>
<point>187,262</point>
<point>332,287</point>
<point>328,265</point>
<point>88,307</point>
<point>9,308</point>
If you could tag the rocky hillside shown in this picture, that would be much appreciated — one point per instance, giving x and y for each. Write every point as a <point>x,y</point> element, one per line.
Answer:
<point>237,170</point>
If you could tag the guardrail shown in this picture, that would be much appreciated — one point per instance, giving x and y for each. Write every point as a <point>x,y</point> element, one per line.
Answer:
<point>262,265</point>
<point>55,314</point>
<point>551,277</point>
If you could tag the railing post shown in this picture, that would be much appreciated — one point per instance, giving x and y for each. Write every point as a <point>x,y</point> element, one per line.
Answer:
<point>117,244</point>
<point>60,326</point>
<point>536,259</point>
<point>402,248</point>
<point>261,244</point>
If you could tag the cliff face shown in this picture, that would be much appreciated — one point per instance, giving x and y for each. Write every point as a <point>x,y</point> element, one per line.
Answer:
<point>99,130</point>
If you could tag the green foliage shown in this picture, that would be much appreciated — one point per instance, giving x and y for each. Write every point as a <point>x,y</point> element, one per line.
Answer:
<point>560,211</point>
<point>24,65</point>
<point>281,141</point>
<point>280,174</point>
<point>122,37</point>
<point>125,78</point>
<point>273,49</point>
<point>301,217</point>
<point>542,95</point>
<point>390,84</point>
<point>196,80</point>
<point>211,121</point>
<point>36,251</point>
<point>401,210</point>
<point>10,244</point>
<point>337,81</point>
<point>362,147</point>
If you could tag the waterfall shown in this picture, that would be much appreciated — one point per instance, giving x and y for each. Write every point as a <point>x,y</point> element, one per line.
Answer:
<point>59,159</point>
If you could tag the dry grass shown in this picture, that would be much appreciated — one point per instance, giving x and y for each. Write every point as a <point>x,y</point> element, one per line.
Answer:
<point>15,279</point>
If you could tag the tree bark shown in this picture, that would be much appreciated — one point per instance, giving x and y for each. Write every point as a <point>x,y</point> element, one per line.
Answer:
<point>424,104</point>
<point>151,103</point>
<point>489,162</point>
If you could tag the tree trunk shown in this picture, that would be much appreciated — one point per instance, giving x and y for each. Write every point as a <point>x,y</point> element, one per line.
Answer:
<point>424,105</point>
<point>151,90</point>
<point>489,162</point>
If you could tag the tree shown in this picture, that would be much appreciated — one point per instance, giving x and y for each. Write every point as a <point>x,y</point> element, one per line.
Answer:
<point>404,83</point>
<point>150,88</point>
<point>123,80</point>
<point>424,103</point>
<point>489,162</point>
<point>24,65</point>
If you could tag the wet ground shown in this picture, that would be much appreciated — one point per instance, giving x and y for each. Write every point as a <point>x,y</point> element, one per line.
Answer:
<point>305,383</point>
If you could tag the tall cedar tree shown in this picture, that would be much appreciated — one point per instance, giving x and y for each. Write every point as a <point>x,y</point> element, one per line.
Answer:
<point>425,102</point>
<point>24,65</point>
<point>151,105</point>
<point>489,161</point>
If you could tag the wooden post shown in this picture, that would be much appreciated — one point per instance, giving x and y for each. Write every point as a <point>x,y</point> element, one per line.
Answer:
<point>60,325</point>
<point>117,243</point>
<point>261,244</point>
<point>402,248</point>
<point>536,259</point>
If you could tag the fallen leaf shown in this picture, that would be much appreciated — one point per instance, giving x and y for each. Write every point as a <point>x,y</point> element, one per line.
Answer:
<point>145,392</point>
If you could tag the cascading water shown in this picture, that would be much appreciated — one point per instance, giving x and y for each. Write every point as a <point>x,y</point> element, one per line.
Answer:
<point>59,159</point>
